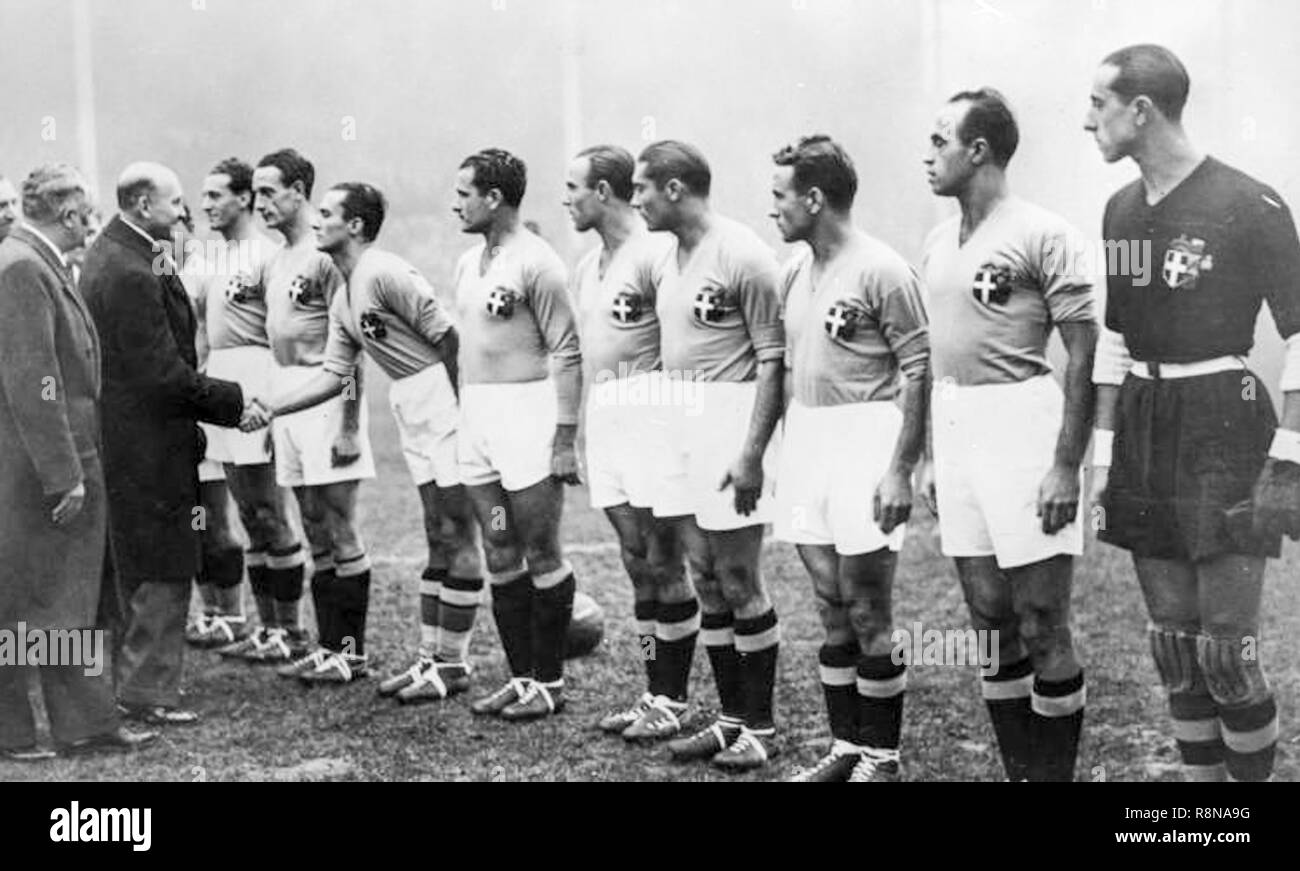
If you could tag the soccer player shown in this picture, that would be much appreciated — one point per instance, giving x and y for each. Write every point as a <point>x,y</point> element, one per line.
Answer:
<point>1203,480</point>
<point>722,337</point>
<point>231,310</point>
<point>517,427</point>
<point>8,207</point>
<point>389,311</point>
<point>1007,447</point>
<point>615,288</point>
<point>854,321</point>
<point>322,453</point>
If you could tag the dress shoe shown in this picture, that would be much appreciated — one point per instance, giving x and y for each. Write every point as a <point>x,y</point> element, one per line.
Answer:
<point>119,740</point>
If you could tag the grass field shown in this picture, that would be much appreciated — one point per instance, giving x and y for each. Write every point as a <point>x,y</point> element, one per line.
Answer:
<point>259,727</point>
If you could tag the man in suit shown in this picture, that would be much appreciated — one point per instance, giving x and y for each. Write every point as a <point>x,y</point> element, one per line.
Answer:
<point>52,527</point>
<point>8,207</point>
<point>153,397</point>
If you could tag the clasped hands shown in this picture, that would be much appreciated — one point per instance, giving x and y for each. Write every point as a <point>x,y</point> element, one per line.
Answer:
<point>256,416</point>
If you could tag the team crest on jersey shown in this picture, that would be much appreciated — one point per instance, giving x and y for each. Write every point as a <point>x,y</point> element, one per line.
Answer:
<point>373,326</point>
<point>1185,260</point>
<point>303,291</point>
<point>501,302</point>
<point>843,319</point>
<point>992,284</point>
<point>627,307</point>
<point>712,304</point>
<point>241,288</point>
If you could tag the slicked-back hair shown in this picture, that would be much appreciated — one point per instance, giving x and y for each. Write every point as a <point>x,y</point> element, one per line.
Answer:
<point>669,158</point>
<point>240,175</point>
<point>47,190</point>
<point>820,162</point>
<point>1154,71</point>
<point>498,168</point>
<point>366,202</point>
<point>293,167</point>
<point>611,164</point>
<point>989,117</point>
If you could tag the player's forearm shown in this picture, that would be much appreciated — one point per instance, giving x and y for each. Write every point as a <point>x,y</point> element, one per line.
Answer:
<point>912,437</point>
<point>568,389</point>
<point>1290,411</point>
<point>566,434</point>
<point>448,348</point>
<point>352,403</point>
<point>768,406</point>
<point>324,385</point>
<point>1107,402</point>
<point>1080,395</point>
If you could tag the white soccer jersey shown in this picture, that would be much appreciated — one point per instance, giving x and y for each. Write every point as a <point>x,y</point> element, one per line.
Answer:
<point>619,323</point>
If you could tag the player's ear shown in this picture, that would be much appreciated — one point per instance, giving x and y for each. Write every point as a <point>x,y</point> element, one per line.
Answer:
<point>1143,109</point>
<point>979,151</point>
<point>815,200</point>
<point>246,200</point>
<point>493,197</point>
<point>674,189</point>
<point>603,190</point>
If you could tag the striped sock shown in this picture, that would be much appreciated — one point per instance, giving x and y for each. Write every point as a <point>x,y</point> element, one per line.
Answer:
<point>284,572</point>
<point>430,609</point>
<point>260,583</point>
<point>457,609</point>
<point>1054,727</point>
<point>719,642</point>
<point>1006,695</point>
<point>758,641</point>
<point>552,612</point>
<point>322,600</point>
<point>648,648</point>
<point>512,609</point>
<point>837,665</point>
<point>881,685</point>
<point>677,625</point>
<point>1250,739</point>
<point>1196,729</point>
<point>351,601</point>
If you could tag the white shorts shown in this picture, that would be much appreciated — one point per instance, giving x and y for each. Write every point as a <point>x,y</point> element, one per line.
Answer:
<point>704,434</point>
<point>507,433</point>
<point>832,459</point>
<point>624,439</point>
<point>211,470</point>
<point>425,408</point>
<point>303,440</point>
<point>993,445</point>
<point>250,367</point>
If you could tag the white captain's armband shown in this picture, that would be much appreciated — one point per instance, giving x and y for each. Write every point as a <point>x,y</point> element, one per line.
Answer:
<point>1291,365</point>
<point>1286,445</point>
<point>1112,362</point>
<point>1103,443</point>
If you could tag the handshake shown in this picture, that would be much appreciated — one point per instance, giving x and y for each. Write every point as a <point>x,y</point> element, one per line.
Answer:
<point>256,416</point>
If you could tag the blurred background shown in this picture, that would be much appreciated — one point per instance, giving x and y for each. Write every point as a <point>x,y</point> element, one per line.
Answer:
<point>397,92</point>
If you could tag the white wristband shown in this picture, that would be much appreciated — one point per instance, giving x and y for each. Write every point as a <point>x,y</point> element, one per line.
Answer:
<point>1286,445</point>
<point>1103,441</point>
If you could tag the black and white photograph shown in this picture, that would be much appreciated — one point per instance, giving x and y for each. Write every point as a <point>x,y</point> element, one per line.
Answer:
<point>866,391</point>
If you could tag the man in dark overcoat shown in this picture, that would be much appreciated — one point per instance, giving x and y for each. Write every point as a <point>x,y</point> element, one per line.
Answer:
<point>153,396</point>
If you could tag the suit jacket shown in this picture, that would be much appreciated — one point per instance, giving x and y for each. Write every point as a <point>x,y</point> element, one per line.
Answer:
<point>153,395</point>
<point>49,441</point>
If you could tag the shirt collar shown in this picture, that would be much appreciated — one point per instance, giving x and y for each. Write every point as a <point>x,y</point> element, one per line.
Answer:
<point>153,243</point>
<point>31,228</point>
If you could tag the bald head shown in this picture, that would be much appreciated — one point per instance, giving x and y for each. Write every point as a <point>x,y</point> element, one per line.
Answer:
<point>150,195</point>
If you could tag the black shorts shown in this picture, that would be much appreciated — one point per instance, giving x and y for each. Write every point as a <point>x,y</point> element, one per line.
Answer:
<point>1187,454</point>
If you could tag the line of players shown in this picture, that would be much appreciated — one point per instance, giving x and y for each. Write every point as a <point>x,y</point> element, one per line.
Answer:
<point>842,342</point>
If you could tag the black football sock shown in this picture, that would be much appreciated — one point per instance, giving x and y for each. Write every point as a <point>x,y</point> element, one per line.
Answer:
<point>322,600</point>
<point>512,609</point>
<point>351,602</point>
<point>284,569</point>
<point>643,611</point>
<point>1196,729</point>
<point>719,641</point>
<point>260,583</point>
<point>757,643</point>
<point>838,668</point>
<point>1250,739</point>
<point>1054,727</point>
<point>881,686</point>
<point>677,626</point>
<point>552,612</point>
<point>1006,694</point>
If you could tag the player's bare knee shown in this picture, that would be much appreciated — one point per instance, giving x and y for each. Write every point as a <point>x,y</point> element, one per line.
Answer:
<point>872,625</point>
